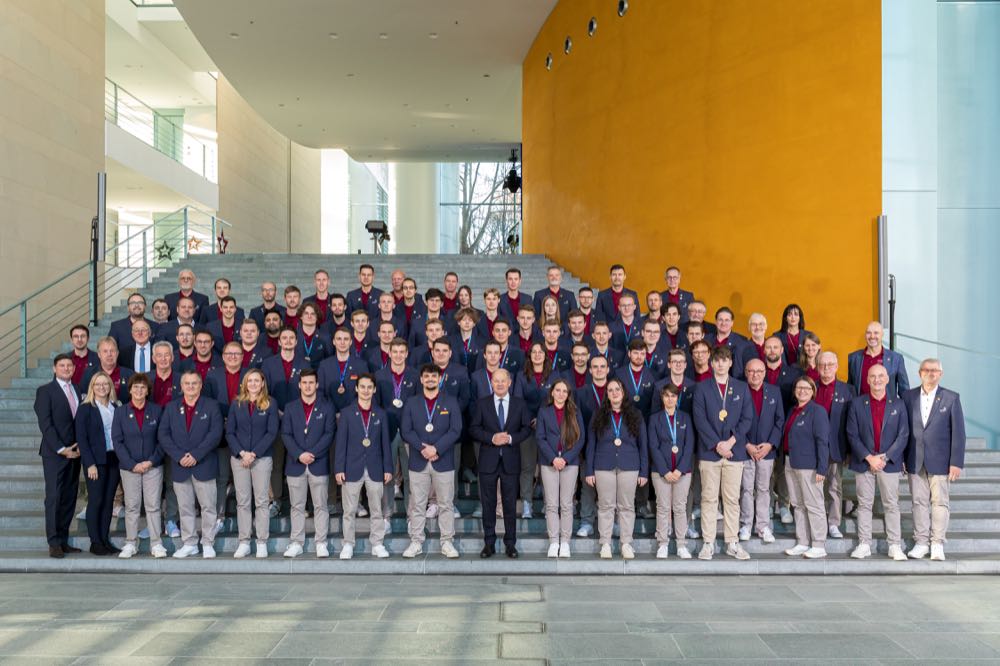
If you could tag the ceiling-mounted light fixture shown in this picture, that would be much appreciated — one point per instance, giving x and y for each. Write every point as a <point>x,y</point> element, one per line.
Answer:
<point>512,183</point>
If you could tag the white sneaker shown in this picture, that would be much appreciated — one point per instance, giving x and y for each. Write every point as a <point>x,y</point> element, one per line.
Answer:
<point>735,549</point>
<point>208,552</point>
<point>606,551</point>
<point>261,550</point>
<point>896,553</point>
<point>128,551</point>
<point>692,533</point>
<point>919,551</point>
<point>706,552</point>
<point>684,553</point>
<point>274,509</point>
<point>185,551</point>
<point>862,551</point>
<point>797,550</point>
<point>293,550</point>
<point>362,512</point>
<point>432,511</point>
<point>553,550</point>
<point>144,533</point>
<point>628,553</point>
<point>413,550</point>
<point>322,549</point>
<point>766,535</point>
<point>814,553</point>
<point>388,525</point>
<point>242,551</point>
<point>663,552</point>
<point>745,533</point>
<point>526,511</point>
<point>835,532</point>
<point>448,550</point>
<point>585,530</point>
<point>380,552</point>
<point>346,551</point>
<point>786,516</point>
<point>158,551</point>
<point>937,552</point>
<point>172,530</point>
<point>564,549</point>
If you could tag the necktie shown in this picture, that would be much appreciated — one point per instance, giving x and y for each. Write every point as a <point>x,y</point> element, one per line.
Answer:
<point>500,414</point>
<point>142,359</point>
<point>71,397</point>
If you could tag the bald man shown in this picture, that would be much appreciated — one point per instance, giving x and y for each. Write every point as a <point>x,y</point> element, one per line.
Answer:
<point>186,280</point>
<point>860,361</point>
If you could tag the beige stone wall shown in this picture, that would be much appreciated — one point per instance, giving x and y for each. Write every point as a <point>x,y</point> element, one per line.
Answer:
<point>305,198</point>
<point>51,138</point>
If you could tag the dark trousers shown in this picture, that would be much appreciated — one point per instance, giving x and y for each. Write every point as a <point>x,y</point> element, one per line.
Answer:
<point>62,483</point>
<point>100,500</point>
<point>508,499</point>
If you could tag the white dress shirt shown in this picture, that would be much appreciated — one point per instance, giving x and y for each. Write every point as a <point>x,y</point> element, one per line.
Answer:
<point>927,404</point>
<point>147,350</point>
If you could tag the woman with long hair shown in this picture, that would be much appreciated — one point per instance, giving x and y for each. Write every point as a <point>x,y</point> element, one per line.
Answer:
<point>617,462</point>
<point>97,453</point>
<point>806,446</point>
<point>792,333</point>
<point>560,436</point>
<point>251,428</point>
<point>809,356</point>
<point>550,311</point>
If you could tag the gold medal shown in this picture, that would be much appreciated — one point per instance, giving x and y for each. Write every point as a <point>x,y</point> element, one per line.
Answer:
<point>366,442</point>
<point>397,403</point>
<point>618,441</point>
<point>341,389</point>
<point>723,414</point>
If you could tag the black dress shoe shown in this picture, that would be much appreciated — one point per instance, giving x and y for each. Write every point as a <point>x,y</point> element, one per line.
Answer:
<point>56,552</point>
<point>487,551</point>
<point>112,548</point>
<point>69,550</point>
<point>99,550</point>
<point>512,552</point>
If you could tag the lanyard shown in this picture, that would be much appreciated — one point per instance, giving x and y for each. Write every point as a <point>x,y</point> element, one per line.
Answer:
<point>365,420</point>
<point>309,347</point>
<point>628,330</point>
<point>635,384</point>
<point>672,426</point>
<point>430,412</point>
<point>617,425</point>
<point>343,373</point>
<point>597,397</point>
<point>397,387</point>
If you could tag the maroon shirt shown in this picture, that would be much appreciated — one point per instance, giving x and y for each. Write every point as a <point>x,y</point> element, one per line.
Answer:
<point>824,394</point>
<point>358,344</point>
<point>308,410</point>
<point>202,367</point>
<point>760,350</point>
<point>232,384</point>
<point>524,344</point>
<point>792,352</point>
<point>702,376</point>
<point>587,319</point>
<point>79,367</point>
<point>450,303</point>
<point>189,413</point>
<point>292,320</point>
<point>867,361</point>
<point>579,378</point>
<point>878,413</point>
<point>615,297</point>
<point>322,306</point>
<point>228,332</point>
<point>431,402</point>
<point>272,344</point>
<point>559,422</point>
<point>813,374</point>
<point>758,399</point>
<point>771,374</point>
<point>163,390</point>
<point>674,298</point>
<point>788,427</point>
<point>365,297</point>
<point>600,392</point>
<point>247,357</point>
<point>409,312</point>
<point>287,366</point>
<point>515,303</point>
<point>139,413</point>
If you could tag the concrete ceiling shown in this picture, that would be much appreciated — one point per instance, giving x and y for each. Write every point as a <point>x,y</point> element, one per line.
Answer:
<point>386,80</point>
<point>132,191</point>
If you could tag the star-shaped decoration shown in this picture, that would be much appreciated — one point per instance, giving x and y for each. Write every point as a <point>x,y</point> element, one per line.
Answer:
<point>223,242</point>
<point>194,244</point>
<point>164,251</point>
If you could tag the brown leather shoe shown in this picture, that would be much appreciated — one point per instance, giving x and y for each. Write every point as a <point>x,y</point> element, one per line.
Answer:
<point>56,552</point>
<point>69,550</point>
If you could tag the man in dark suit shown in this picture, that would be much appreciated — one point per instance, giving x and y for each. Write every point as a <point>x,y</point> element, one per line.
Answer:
<point>268,294</point>
<point>513,299</point>
<point>500,422</point>
<point>607,299</point>
<point>566,299</point>
<point>186,281</point>
<point>107,352</point>
<point>214,312</point>
<point>121,330</point>
<point>366,296</point>
<point>674,294</point>
<point>860,361</point>
<point>55,407</point>
<point>935,456</point>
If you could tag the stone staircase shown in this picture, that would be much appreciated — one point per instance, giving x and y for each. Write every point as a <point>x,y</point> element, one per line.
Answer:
<point>974,535</point>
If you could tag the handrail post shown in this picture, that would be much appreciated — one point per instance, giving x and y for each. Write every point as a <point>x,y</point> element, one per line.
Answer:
<point>145,267</point>
<point>24,338</point>
<point>213,234</point>
<point>95,253</point>
<point>185,232</point>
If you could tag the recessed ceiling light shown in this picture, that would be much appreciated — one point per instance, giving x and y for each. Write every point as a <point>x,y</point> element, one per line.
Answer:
<point>433,35</point>
<point>405,105</point>
<point>281,104</point>
<point>350,75</point>
<point>447,106</point>
<point>299,125</point>
<point>234,35</point>
<point>486,76</point>
<point>333,35</point>
<point>383,35</point>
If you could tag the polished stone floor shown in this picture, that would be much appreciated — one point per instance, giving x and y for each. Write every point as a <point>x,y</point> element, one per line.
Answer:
<point>176,619</point>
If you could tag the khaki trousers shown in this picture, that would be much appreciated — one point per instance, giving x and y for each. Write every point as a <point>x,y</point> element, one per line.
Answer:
<point>931,508</point>
<point>888,487</point>
<point>755,494</point>
<point>529,460</point>
<point>352,497</point>
<point>316,485</point>
<point>253,484</point>
<point>833,487</point>
<point>559,487</point>
<point>205,492</point>
<point>725,476</point>
<point>421,484</point>
<point>616,491</point>
<point>143,490</point>
<point>806,496</point>
<point>671,497</point>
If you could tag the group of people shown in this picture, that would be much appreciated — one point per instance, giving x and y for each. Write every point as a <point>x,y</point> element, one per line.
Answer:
<point>614,411</point>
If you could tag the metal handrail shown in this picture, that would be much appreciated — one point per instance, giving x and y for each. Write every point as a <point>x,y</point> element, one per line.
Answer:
<point>949,346</point>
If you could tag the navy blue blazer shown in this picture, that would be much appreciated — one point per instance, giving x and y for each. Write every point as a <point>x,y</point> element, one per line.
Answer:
<point>90,435</point>
<point>455,381</point>
<point>547,437</point>
<point>566,298</point>
<point>200,303</point>
<point>685,401</point>
<point>283,390</point>
<point>767,426</point>
<point>604,304</point>
<point>661,443</point>
<point>385,393</point>
<point>711,430</point>
<point>133,446</point>
<point>189,363</point>
<point>615,357</point>
<point>788,350</point>
<point>602,454</point>
<point>216,389</point>
<point>373,357</point>
<point>482,329</point>
<point>55,419</point>
<point>166,332</point>
<point>319,348</point>
<point>420,354</point>
<point>397,323</point>
<point>215,328</point>
<point>941,443</point>
<point>260,352</point>
<point>466,352</point>
<point>351,457</point>
<point>258,313</point>
<point>417,316</point>
<point>480,386</point>
<point>588,402</point>
<point>447,422</point>
<point>315,438</point>
<point>211,314</point>
<point>562,358</point>
<point>121,390</point>
<point>201,441</point>
<point>509,313</point>
<point>254,433</point>
<point>511,360</point>
<point>354,301</point>
<point>684,299</point>
<point>657,363</point>
<point>121,331</point>
<point>330,379</point>
<point>621,334</point>
<point>843,394</point>
<point>646,388</point>
<point>535,394</point>
<point>899,383</point>
<point>809,440</point>
<point>861,435</point>
<point>787,376</point>
<point>737,345</point>
<point>485,423</point>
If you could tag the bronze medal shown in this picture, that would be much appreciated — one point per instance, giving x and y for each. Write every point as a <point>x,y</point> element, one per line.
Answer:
<point>341,389</point>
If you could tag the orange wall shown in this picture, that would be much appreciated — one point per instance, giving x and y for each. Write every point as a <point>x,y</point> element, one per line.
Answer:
<point>740,140</point>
